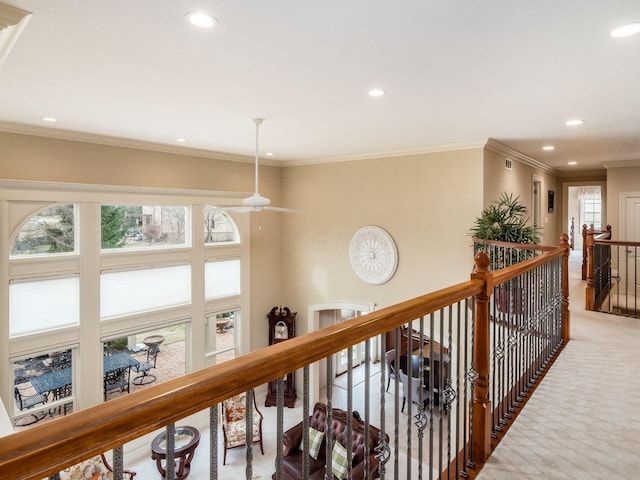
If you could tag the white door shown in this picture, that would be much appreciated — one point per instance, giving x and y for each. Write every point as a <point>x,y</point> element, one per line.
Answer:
<point>358,351</point>
<point>632,234</point>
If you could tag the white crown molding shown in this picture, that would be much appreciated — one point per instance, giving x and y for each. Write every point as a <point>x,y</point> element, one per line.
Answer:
<point>621,163</point>
<point>568,173</point>
<point>12,22</point>
<point>11,16</point>
<point>448,147</point>
<point>74,136</point>
<point>34,185</point>
<point>502,149</point>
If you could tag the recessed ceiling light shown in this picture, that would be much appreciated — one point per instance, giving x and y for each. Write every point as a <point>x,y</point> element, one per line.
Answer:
<point>181,140</point>
<point>625,30</point>
<point>269,154</point>
<point>49,119</point>
<point>548,148</point>
<point>377,92</point>
<point>201,20</point>
<point>572,163</point>
<point>573,123</point>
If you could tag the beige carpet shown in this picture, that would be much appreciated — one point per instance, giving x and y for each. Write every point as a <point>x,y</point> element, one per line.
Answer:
<point>583,421</point>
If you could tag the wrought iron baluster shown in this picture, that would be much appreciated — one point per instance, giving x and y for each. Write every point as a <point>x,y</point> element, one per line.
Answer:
<point>280,430</point>
<point>170,466</point>
<point>249,432</point>
<point>118,463</point>
<point>213,442</point>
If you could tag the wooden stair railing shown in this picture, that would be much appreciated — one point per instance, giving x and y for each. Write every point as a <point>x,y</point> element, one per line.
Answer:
<point>596,293</point>
<point>44,449</point>
<point>605,234</point>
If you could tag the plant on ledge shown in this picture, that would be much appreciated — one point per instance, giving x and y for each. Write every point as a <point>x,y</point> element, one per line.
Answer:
<point>504,220</point>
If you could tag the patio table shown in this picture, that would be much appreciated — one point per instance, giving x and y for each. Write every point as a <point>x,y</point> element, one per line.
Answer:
<point>47,382</point>
<point>118,360</point>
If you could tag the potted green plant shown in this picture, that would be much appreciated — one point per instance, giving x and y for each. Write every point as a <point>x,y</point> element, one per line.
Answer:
<point>505,220</point>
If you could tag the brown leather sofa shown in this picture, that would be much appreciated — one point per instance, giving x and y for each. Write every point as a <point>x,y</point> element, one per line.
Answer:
<point>292,455</point>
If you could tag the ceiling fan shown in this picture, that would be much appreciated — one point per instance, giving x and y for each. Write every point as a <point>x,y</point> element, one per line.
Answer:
<point>256,202</point>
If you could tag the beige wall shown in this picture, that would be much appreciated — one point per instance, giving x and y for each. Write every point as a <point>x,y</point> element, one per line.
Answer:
<point>426,202</point>
<point>26,157</point>
<point>620,180</point>
<point>519,181</point>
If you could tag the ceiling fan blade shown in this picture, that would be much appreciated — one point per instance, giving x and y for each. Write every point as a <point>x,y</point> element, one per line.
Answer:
<point>281,209</point>
<point>238,209</point>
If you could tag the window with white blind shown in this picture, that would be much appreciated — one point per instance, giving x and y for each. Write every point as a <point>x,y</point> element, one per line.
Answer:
<point>221,279</point>
<point>136,291</point>
<point>41,305</point>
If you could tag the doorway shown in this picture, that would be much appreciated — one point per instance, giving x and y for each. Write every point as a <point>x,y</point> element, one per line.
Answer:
<point>585,205</point>
<point>324,315</point>
<point>358,352</point>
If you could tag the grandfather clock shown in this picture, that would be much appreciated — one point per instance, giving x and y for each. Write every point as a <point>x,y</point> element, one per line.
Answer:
<point>282,326</point>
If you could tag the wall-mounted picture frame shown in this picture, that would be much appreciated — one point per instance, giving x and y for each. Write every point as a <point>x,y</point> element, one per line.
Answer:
<point>550,196</point>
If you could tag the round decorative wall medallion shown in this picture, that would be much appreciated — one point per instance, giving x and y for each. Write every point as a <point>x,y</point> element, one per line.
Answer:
<point>373,255</point>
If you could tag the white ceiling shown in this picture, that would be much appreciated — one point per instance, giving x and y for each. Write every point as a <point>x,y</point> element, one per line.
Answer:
<point>456,73</point>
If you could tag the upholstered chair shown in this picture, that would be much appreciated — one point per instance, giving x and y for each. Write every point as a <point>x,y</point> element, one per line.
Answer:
<point>234,423</point>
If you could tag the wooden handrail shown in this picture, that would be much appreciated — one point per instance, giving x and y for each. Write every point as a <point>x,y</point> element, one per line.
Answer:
<point>44,449</point>
<point>520,246</point>
<point>508,273</point>
<point>620,243</point>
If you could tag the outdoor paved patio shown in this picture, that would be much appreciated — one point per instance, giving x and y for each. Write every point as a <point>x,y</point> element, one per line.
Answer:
<point>170,363</point>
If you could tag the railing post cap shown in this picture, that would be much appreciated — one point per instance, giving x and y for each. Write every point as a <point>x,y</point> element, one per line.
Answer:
<point>481,261</point>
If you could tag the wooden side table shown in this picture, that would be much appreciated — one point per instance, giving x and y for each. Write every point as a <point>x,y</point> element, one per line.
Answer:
<point>186,441</point>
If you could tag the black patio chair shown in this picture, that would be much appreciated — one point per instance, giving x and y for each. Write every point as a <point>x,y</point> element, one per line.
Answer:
<point>143,368</point>
<point>27,400</point>
<point>117,379</point>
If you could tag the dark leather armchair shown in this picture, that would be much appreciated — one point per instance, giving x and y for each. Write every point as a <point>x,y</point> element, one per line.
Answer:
<point>293,455</point>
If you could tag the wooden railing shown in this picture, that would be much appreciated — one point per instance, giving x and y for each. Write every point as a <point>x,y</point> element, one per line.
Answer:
<point>46,448</point>
<point>605,234</point>
<point>613,275</point>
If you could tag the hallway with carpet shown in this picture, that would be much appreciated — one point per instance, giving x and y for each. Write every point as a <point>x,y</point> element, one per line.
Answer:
<point>582,420</point>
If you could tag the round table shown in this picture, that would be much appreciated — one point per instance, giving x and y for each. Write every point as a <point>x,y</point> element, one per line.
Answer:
<point>186,440</point>
<point>148,341</point>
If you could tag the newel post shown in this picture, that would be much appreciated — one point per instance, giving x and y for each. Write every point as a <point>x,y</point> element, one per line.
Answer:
<point>482,414</point>
<point>589,303</point>
<point>566,326</point>
<point>584,251</point>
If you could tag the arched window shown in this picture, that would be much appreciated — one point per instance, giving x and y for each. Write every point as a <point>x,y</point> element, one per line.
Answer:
<point>50,232</point>
<point>219,228</point>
